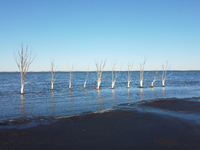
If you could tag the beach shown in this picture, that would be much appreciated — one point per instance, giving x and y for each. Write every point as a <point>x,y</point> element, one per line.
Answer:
<point>125,128</point>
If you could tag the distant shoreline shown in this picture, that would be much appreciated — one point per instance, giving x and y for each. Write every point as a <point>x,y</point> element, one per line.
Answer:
<point>95,71</point>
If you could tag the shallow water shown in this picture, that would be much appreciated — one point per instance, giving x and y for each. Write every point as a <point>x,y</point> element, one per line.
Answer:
<point>40,101</point>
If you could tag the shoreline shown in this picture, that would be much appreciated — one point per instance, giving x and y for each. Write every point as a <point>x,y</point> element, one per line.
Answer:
<point>154,103</point>
<point>119,129</point>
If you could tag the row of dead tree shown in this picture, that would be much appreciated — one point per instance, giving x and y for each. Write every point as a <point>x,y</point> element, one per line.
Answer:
<point>24,58</point>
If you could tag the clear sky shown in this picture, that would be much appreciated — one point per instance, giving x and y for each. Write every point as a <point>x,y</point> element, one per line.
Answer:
<point>77,32</point>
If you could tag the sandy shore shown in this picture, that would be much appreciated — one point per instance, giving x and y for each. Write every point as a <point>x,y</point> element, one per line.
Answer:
<point>119,129</point>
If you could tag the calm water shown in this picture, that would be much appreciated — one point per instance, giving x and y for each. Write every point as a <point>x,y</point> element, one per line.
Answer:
<point>40,101</point>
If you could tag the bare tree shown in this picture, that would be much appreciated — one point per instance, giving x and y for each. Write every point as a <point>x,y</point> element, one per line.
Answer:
<point>70,76</point>
<point>23,60</point>
<point>142,72</point>
<point>130,68</point>
<point>155,77</point>
<point>86,78</point>
<point>53,77</point>
<point>115,75</point>
<point>99,68</point>
<point>164,75</point>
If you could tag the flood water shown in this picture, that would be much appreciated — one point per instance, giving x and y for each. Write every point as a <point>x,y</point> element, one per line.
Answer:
<point>40,101</point>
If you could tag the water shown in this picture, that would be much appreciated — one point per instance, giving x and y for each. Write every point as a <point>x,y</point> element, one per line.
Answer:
<point>40,101</point>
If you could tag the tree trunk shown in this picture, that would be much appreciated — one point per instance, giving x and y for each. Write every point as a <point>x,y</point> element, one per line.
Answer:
<point>163,83</point>
<point>128,83</point>
<point>70,85</point>
<point>151,84</point>
<point>98,84</point>
<point>22,84</point>
<point>113,84</point>
<point>51,85</point>
<point>141,82</point>
<point>85,84</point>
<point>22,88</point>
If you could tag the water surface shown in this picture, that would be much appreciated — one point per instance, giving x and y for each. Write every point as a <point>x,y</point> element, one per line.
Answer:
<point>40,101</point>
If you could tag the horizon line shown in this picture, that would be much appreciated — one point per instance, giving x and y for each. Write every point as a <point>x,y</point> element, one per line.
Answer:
<point>91,71</point>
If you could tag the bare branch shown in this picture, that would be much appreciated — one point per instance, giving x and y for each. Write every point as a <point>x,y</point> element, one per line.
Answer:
<point>86,78</point>
<point>155,77</point>
<point>164,75</point>
<point>100,67</point>
<point>115,74</point>
<point>23,61</point>
<point>94,77</point>
<point>142,65</point>
<point>30,80</point>
<point>130,69</point>
<point>70,75</point>
<point>53,77</point>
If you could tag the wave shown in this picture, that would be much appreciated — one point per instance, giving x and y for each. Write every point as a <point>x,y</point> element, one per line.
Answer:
<point>22,123</point>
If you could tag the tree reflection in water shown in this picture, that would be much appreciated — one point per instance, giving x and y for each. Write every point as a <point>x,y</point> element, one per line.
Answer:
<point>113,98</point>
<point>129,96</point>
<point>70,101</point>
<point>141,94</point>
<point>99,100</point>
<point>52,104</point>
<point>163,92</point>
<point>154,93</point>
<point>23,112</point>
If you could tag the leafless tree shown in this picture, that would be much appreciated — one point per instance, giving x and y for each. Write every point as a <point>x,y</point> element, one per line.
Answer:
<point>99,72</point>
<point>70,75</point>
<point>115,75</point>
<point>130,69</point>
<point>86,78</point>
<point>53,77</point>
<point>164,74</point>
<point>142,72</point>
<point>23,60</point>
<point>155,77</point>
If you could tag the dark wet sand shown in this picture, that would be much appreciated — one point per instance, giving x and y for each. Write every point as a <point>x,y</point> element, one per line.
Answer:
<point>120,129</point>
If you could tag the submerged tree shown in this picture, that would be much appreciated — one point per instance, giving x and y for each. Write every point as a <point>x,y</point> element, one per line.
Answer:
<point>99,68</point>
<point>115,75</point>
<point>53,79</point>
<point>23,61</point>
<point>86,78</point>
<point>155,77</point>
<point>130,68</point>
<point>142,72</point>
<point>164,75</point>
<point>70,76</point>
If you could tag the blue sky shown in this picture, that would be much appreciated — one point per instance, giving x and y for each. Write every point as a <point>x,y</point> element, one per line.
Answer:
<point>77,32</point>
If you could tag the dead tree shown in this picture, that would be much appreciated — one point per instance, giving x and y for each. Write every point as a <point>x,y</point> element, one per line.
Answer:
<point>53,77</point>
<point>23,60</point>
<point>130,68</point>
<point>155,77</point>
<point>70,76</point>
<point>142,72</point>
<point>164,74</point>
<point>86,78</point>
<point>99,68</point>
<point>115,75</point>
